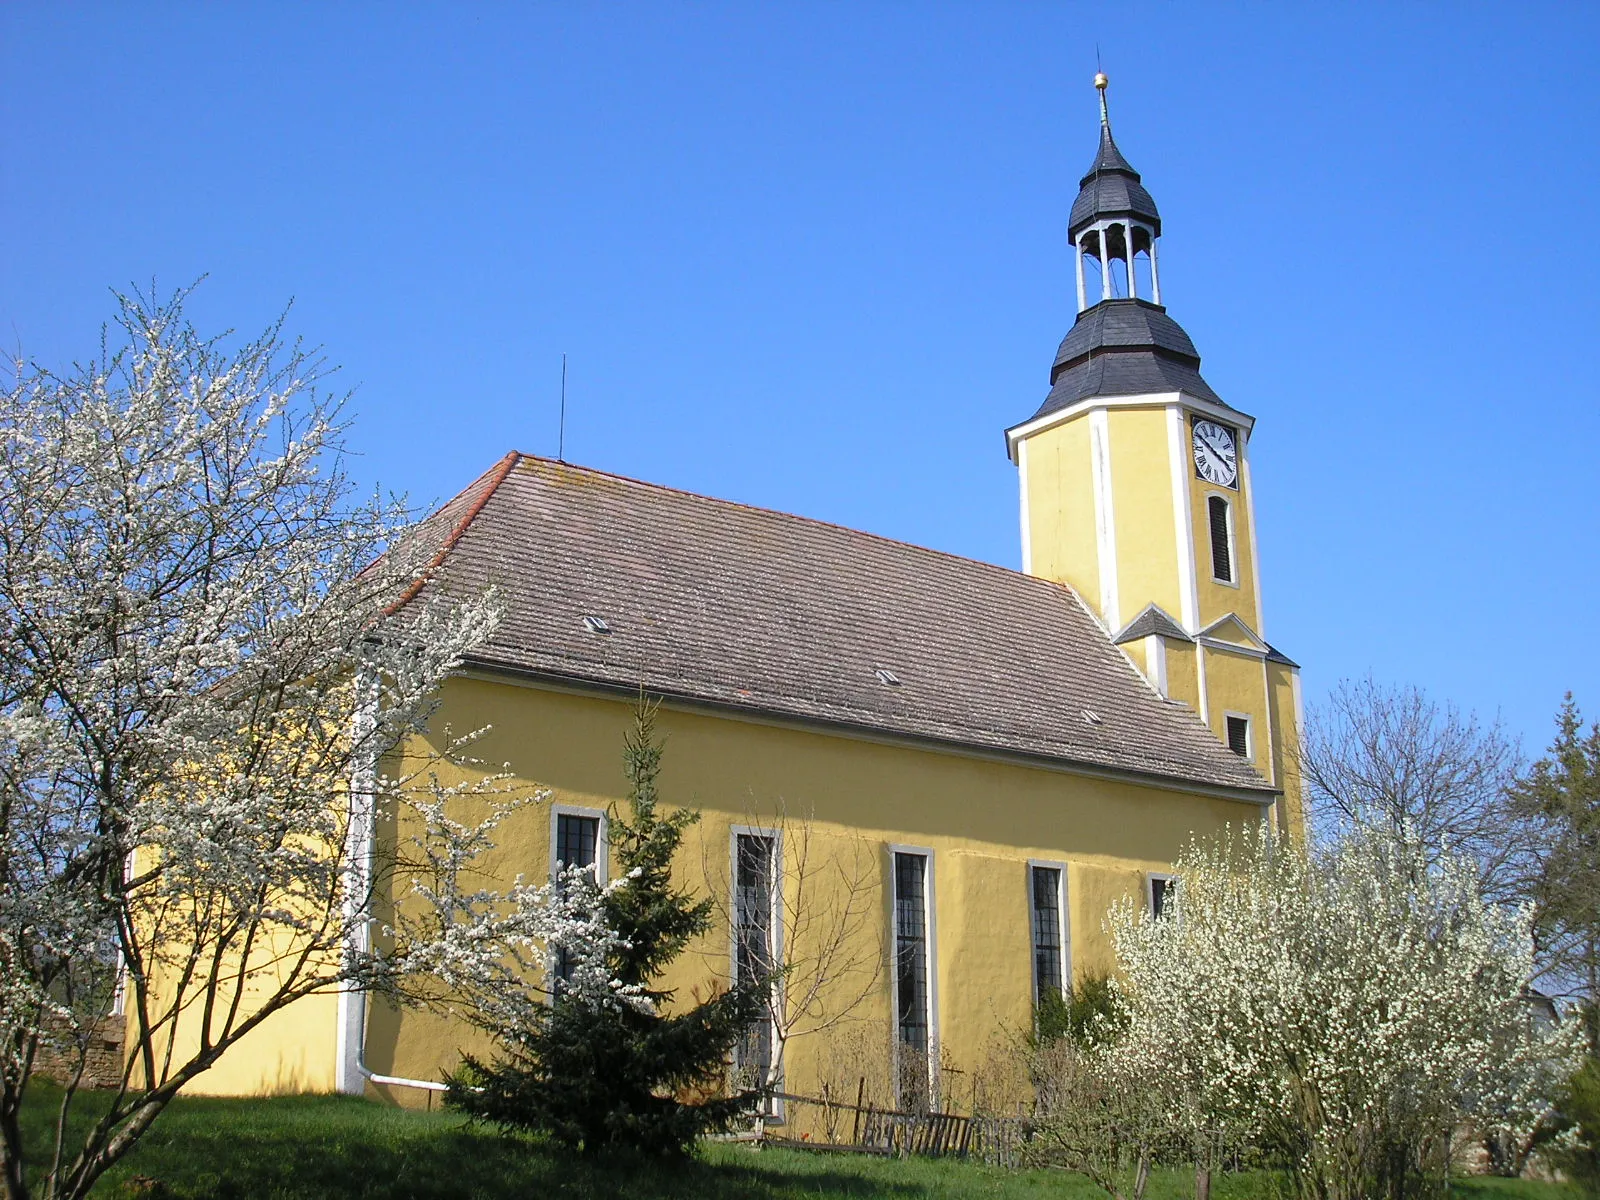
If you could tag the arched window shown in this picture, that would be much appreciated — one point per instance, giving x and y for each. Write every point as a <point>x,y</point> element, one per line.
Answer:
<point>1221,540</point>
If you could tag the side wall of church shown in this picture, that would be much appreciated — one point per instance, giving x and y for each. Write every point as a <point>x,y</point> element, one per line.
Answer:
<point>842,804</point>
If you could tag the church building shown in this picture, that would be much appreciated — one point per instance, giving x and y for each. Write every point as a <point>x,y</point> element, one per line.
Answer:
<point>922,779</point>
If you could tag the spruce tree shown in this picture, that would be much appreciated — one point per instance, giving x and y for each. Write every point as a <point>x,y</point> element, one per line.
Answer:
<point>599,1075</point>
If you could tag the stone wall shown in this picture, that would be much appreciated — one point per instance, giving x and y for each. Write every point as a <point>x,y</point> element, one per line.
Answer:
<point>103,1067</point>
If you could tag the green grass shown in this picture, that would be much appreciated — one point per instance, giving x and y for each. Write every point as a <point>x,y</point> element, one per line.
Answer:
<point>332,1146</point>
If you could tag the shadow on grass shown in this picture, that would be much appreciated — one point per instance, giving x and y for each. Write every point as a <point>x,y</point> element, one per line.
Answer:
<point>331,1146</point>
<point>309,1147</point>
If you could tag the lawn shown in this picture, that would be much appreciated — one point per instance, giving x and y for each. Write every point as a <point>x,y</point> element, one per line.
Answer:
<point>334,1146</point>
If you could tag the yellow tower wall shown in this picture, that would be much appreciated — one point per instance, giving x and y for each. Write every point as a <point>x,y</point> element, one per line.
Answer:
<point>1146,533</point>
<point>1216,599</point>
<point>1058,509</point>
<point>1236,682</point>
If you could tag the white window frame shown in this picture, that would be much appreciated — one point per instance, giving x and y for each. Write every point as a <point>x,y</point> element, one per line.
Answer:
<point>775,1113</point>
<point>602,853</point>
<point>930,917</point>
<point>1233,540</point>
<point>1249,754</point>
<point>1060,868</point>
<point>1150,878</point>
<point>602,842</point>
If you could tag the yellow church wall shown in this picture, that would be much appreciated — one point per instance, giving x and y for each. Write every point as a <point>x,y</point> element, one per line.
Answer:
<point>1060,508</point>
<point>1137,651</point>
<point>1235,683</point>
<point>1141,490</point>
<point>1183,672</point>
<point>1282,685</point>
<point>291,1051</point>
<point>982,820</point>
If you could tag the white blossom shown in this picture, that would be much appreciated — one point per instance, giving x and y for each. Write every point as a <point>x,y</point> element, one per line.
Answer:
<point>205,663</point>
<point>1344,1005</point>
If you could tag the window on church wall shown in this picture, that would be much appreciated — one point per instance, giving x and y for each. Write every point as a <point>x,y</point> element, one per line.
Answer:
<point>913,1013</point>
<point>577,844</point>
<point>1162,889</point>
<point>1239,734</point>
<point>1221,523</point>
<point>1045,888</point>
<point>754,943</point>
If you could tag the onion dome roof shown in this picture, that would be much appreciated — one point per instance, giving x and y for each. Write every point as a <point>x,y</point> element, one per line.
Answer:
<point>1111,189</point>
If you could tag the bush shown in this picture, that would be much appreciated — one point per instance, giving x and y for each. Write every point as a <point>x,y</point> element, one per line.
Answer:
<point>1090,1010</point>
<point>1580,1105</point>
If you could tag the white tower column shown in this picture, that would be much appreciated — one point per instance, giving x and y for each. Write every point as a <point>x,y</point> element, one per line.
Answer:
<point>1155,275</point>
<point>1133,286</point>
<point>1077,258</point>
<point>1105,263</point>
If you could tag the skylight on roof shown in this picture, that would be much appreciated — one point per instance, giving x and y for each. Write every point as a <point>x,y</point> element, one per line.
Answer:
<point>595,624</point>
<point>886,676</point>
<point>1092,717</point>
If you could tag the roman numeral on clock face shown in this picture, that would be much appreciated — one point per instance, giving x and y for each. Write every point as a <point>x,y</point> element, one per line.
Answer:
<point>1215,458</point>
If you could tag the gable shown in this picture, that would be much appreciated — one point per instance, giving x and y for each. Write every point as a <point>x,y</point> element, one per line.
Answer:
<point>1231,630</point>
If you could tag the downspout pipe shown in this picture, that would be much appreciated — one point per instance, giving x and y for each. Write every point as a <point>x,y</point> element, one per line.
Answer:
<point>351,1073</point>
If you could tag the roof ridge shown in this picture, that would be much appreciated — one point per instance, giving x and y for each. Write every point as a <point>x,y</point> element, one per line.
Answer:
<point>779,512</point>
<point>496,476</point>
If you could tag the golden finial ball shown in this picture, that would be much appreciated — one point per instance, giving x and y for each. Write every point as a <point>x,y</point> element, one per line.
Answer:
<point>1100,81</point>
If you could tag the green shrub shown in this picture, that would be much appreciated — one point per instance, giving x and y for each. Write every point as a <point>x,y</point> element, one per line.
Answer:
<point>1090,1009</point>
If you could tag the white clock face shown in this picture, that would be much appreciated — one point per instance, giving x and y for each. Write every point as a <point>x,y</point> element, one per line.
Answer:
<point>1215,457</point>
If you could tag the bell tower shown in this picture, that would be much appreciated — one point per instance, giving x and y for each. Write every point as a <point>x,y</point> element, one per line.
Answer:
<point>1135,486</point>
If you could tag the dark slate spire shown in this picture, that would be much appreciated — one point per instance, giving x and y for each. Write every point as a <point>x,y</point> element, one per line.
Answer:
<point>1122,343</point>
<point>1112,187</point>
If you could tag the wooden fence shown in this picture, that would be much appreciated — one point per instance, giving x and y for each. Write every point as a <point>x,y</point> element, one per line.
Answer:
<point>864,1128</point>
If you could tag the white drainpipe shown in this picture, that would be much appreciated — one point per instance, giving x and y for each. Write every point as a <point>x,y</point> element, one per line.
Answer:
<point>351,1071</point>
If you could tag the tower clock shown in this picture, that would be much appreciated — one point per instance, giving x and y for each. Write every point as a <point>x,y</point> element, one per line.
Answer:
<point>1216,454</point>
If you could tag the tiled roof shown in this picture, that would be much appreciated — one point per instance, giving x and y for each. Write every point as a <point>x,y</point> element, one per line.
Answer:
<point>742,608</point>
<point>1152,619</point>
<point>1278,656</point>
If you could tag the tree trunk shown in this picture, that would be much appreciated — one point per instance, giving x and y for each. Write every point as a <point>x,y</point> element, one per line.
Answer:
<point>11,1177</point>
<point>1202,1182</point>
<point>1141,1178</point>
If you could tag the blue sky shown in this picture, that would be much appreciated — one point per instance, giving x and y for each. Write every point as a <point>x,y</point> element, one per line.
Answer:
<point>813,257</point>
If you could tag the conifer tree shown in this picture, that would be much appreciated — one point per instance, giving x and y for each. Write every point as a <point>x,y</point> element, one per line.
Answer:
<point>1562,793</point>
<point>606,1067</point>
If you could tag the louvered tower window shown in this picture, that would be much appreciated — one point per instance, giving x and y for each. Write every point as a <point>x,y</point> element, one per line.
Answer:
<point>1239,736</point>
<point>1221,542</point>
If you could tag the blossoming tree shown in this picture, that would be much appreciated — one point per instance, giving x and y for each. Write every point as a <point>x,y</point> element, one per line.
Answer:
<point>202,651</point>
<point>1349,1008</point>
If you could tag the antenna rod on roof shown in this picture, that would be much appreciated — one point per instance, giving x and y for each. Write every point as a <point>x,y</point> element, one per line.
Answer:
<point>561,436</point>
